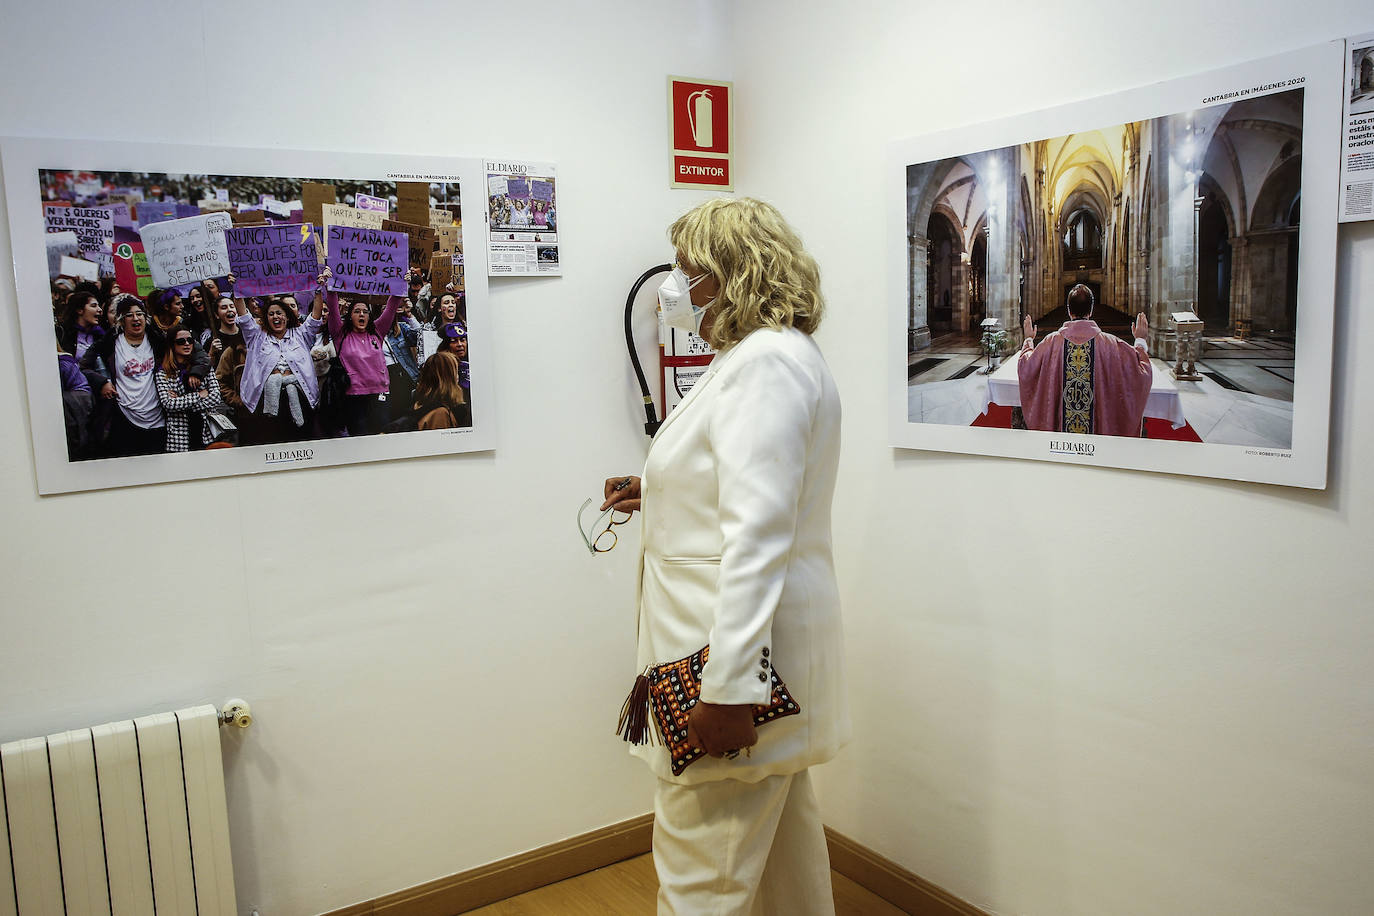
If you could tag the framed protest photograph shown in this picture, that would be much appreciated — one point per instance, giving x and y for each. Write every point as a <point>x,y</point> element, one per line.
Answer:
<point>1143,280</point>
<point>190,312</point>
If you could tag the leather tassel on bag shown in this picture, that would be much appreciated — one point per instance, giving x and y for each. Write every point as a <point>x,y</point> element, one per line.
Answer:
<point>634,715</point>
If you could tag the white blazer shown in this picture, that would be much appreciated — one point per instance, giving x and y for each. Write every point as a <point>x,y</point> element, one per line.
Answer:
<point>736,494</point>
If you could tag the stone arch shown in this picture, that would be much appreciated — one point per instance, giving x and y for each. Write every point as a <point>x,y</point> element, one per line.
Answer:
<point>1216,234</point>
<point>1281,188</point>
<point>1273,248</point>
<point>945,286</point>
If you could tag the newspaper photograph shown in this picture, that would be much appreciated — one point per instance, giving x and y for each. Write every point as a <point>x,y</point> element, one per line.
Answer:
<point>1357,131</point>
<point>522,219</point>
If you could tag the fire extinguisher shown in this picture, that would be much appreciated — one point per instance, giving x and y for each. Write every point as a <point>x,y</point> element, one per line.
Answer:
<point>682,358</point>
<point>699,117</point>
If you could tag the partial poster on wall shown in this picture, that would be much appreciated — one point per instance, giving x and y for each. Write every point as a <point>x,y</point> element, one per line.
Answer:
<point>1143,280</point>
<point>1357,141</point>
<point>191,312</point>
<point>522,219</point>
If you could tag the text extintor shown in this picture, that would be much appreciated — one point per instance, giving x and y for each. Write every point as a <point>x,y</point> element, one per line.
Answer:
<point>701,125</point>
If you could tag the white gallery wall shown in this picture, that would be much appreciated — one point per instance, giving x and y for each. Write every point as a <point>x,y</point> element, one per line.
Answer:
<point>435,662</point>
<point>1075,691</point>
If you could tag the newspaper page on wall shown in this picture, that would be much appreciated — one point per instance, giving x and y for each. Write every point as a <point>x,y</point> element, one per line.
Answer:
<point>522,219</point>
<point>1357,138</point>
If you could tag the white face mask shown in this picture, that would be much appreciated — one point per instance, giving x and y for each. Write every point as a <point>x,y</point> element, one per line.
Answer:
<point>675,298</point>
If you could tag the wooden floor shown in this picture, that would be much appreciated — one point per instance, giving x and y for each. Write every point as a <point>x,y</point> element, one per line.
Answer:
<point>629,888</point>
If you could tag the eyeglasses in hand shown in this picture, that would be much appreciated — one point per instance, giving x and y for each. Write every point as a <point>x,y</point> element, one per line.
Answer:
<point>598,539</point>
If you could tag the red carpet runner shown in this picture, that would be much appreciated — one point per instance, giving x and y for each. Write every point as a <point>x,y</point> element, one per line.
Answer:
<point>999,417</point>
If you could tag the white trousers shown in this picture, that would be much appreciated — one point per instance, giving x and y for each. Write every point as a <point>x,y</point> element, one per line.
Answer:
<point>731,848</point>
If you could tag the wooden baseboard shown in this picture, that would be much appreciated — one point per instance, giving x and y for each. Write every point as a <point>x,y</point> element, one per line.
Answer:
<point>576,856</point>
<point>489,883</point>
<point>896,885</point>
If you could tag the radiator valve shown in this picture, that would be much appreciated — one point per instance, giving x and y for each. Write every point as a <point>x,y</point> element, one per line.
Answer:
<point>236,712</point>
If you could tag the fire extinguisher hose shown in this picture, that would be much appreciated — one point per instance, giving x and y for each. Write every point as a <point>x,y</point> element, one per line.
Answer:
<point>651,418</point>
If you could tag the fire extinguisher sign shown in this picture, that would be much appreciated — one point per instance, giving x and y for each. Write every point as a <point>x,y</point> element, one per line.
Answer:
<point>701,120</point>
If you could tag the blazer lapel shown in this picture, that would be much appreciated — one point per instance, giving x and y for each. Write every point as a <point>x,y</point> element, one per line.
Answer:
<point>691,396</point>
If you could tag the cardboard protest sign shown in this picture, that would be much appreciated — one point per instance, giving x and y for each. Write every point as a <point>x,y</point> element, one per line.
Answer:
<point>314,195</point>
<point>182,252</point>
<point>214,205</point>
<point>60,245</point>
<point>121,216</point>
<point>439,217</point>
<point>79,268</point>
<point>440,273</point>
<point>248,218</point>
<point>368,202</point>
<point>541,190</point>
<point>412,202</point>
<point>449,238</point>
<point>496,185</point>
<point>131,263</point>
<point>185,210</point>
<point>267,260</point>
<point>147,212</point>
<point>518,188</point>
<point>94,226</point>
<point>367,261</point>
<point>342,215</point>
<point>423,240</point>
<point>222,195</point>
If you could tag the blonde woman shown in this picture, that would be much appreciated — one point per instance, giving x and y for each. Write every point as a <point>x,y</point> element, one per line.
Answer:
<point>736,495</point>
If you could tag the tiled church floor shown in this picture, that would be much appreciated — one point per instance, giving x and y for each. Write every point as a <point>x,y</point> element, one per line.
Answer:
<point>1246,397</point>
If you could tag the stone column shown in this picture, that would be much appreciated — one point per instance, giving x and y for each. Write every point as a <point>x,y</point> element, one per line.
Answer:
<point>1175,280</point>
<point>958,294</point>
<point>918,322</point>
<point>1003,255</point>
<point>1240,286</point>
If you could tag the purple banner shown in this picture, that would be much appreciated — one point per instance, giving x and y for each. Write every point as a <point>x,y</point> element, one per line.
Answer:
<point>155,211</point>
<point>517,187</point>
<point>368,261</point>
<point>185,210</point>
<point>541,190</point>
<point>267,260</point>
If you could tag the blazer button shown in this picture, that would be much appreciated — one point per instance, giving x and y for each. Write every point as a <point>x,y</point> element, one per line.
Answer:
<point>763,663</point>
<point>763,676</point>
<point>765,651</point>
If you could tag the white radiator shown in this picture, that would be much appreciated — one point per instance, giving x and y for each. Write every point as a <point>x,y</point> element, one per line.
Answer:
<point>124,819</point>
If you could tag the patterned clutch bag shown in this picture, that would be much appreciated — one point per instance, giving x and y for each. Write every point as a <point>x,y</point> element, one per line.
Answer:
<point>669,691</point>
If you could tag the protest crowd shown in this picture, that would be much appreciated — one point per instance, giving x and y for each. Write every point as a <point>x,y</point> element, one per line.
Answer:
<point>166,372</point>
<point>374,341</point>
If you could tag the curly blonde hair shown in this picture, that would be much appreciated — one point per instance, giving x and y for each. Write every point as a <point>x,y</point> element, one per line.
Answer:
<point>766,277</point>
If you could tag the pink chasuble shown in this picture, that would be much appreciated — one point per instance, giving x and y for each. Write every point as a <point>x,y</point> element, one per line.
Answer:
<point>1080,380</point>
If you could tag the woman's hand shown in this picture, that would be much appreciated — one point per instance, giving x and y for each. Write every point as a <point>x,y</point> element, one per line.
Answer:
<point>622,493</point>
<point>720,730</point>
<point>107,391</point>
